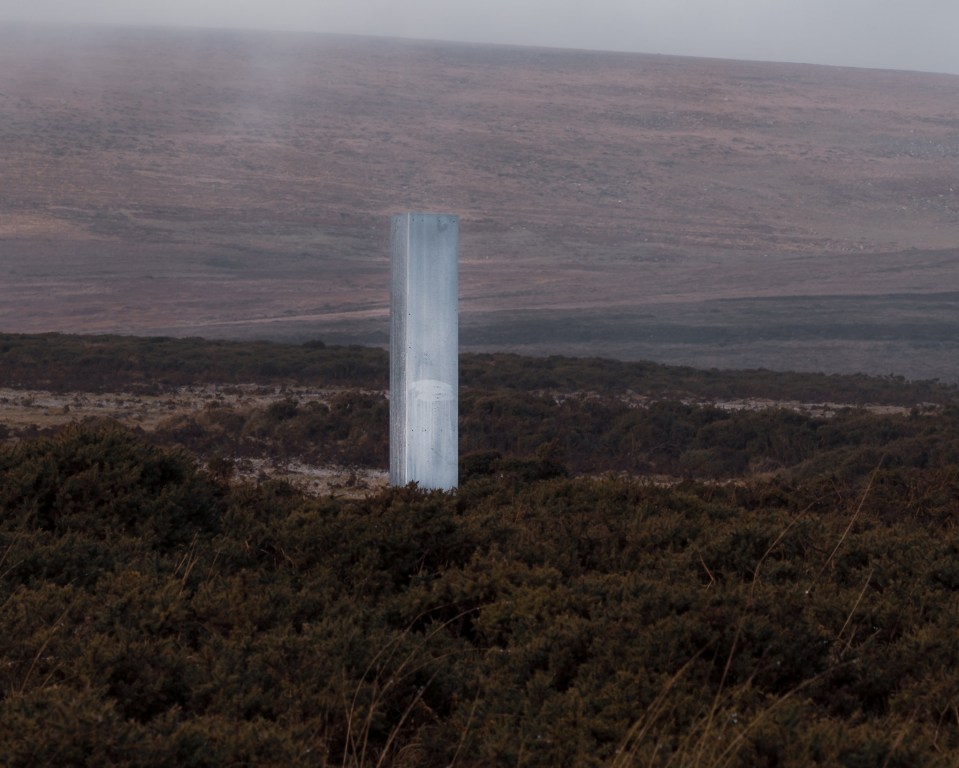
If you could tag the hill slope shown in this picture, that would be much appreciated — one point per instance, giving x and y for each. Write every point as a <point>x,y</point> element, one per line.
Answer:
<point>151,615</point>
<point>713,212</point>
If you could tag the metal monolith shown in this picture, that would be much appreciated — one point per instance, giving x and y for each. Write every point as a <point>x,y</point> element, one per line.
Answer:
<point>424,346</point>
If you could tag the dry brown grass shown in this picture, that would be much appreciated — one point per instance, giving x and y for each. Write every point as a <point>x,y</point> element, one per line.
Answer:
<point>238,184</point>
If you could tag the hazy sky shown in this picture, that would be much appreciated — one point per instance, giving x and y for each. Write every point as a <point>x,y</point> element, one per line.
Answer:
<point>896,34</point>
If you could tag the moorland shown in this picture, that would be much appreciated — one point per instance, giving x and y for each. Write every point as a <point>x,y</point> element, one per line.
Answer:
<point>709,213</point>
<point>643,565</point>
<point>749,559</point>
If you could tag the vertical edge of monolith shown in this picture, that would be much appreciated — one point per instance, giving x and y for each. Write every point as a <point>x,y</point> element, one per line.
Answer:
<point>399,249</point>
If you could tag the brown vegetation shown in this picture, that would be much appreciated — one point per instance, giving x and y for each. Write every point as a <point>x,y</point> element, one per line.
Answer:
<point>716,213</point>
<point>786,598</point>
<point>151,615</point>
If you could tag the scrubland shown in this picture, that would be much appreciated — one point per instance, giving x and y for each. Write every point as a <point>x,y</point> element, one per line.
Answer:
<point>629,574</point>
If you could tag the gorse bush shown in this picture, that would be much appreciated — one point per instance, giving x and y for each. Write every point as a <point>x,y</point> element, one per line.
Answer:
<point>588,434</point>
<point>150,614</point>
<point>102,363</point>
<point>114,363</point>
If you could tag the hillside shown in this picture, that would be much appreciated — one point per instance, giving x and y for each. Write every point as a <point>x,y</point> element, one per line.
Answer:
<point>300,409</point>
<point>712,213</point>
<point>630,574</point>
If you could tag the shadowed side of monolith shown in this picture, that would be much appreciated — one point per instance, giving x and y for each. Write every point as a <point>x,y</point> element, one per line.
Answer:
<point>424,347</point>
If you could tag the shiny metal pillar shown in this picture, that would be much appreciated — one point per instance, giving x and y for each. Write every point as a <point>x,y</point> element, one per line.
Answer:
<point>424,348</point>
